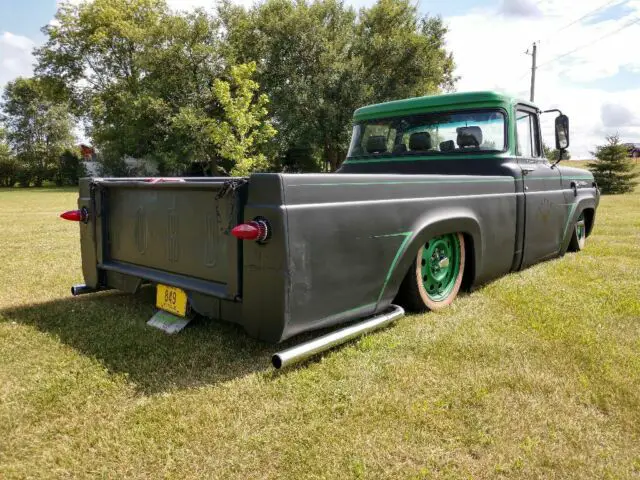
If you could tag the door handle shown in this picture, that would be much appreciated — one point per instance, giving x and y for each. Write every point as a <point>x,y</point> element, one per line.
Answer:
<point>574,187</point>
<point>528,170</point>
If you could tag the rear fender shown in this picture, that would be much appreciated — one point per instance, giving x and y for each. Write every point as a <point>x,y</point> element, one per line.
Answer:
<point>431,225</point>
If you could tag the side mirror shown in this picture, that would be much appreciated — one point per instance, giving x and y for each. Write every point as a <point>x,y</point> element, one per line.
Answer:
<point>562,132</point>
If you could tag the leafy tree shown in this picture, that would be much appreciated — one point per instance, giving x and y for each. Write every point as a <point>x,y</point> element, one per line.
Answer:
<point>8,163</point>
<point>98,49</point>
<point>553,154</point>
<point>302,50</point>
<point>402,53</point>
<point>319,60</point>
<point>154,83</point>
<point>69,168</point>
<point>38,129</point>
<point>613,171</point>
<point>229,141</point>
<point>147,80</point>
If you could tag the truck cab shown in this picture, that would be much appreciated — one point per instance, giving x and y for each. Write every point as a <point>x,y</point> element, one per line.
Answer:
<point>480,134</point>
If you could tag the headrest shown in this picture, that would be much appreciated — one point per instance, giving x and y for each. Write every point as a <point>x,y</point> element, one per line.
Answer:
<point>420,141</point>
<point>447,146</point>
<point>469,136</point>
<point>377,144</point>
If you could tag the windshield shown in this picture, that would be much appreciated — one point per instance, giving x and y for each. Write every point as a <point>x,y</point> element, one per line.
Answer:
<point>430,134</point>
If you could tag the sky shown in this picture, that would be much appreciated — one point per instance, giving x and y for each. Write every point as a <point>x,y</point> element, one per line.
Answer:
<point>588,55</point>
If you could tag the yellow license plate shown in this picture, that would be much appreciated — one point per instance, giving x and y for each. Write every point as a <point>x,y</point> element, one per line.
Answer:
<point>171,299</point>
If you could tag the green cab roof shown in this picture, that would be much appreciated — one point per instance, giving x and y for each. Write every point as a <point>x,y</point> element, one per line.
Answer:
<point>410,106</point>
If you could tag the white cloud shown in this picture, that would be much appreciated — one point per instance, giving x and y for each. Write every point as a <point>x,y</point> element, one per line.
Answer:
<point>520,8</point>
<point>490,54</point>
<point>15,57</point>
<point>615,115</point>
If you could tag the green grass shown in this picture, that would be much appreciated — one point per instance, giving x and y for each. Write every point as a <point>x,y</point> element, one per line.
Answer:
<point>536,375</point>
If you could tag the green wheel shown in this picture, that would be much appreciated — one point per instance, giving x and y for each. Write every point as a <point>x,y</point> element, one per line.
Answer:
<point>434,279</point>
<point>579,237</point>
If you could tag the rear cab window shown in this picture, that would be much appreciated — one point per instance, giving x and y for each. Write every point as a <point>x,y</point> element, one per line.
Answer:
<point>461,132</point>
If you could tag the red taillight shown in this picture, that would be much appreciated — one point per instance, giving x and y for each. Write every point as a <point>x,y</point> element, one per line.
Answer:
<point>257,230</point>
<point>76,215</point>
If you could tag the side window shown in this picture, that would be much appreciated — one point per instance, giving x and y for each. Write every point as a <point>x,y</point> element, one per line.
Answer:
<point>527,134</point>
<point>535,135</point>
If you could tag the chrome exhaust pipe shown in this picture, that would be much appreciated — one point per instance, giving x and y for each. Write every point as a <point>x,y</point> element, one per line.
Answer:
<point>308,349</point>
<point>83,289</point>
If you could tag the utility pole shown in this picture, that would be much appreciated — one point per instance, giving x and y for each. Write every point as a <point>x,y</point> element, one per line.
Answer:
<point>533,71</point>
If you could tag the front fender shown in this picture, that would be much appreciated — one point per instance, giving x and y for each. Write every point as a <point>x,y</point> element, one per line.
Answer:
<point>576,209</point>
<point>430,225</point>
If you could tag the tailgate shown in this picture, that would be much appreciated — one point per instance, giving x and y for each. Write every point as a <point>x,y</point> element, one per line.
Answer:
<point>175,228</point>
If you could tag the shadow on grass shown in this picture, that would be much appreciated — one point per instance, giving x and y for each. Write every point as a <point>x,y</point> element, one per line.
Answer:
<point>111,327</point>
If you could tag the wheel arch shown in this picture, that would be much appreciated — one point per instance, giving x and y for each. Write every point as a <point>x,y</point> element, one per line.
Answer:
<point>587,206</point>
<point>589,219</point>
<point>440,223</point>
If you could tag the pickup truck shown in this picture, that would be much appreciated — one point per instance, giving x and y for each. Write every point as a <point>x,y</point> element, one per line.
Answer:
<point>437,194</point>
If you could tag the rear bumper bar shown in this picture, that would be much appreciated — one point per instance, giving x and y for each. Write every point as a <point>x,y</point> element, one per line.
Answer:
<point>206,287</point>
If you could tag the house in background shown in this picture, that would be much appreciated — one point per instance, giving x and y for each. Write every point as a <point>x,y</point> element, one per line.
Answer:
<point>633,149</point>
<point>89,160</point>
<point>88,153</point>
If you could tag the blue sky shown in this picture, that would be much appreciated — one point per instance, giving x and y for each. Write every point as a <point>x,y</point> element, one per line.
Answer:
<point>589,67</point>
<point>26,17</point>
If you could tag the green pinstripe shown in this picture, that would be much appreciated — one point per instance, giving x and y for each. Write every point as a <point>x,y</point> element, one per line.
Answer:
<point>407,237</point>
<point>572,210</point>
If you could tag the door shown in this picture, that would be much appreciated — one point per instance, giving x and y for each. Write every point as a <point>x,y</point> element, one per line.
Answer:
<point>545,208</point>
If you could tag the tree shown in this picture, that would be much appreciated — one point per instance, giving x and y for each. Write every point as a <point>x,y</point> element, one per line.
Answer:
<point>402,53</point>
<point>8,163</point>
<point>318,61</point>
<point>99,50</point>
<point>147,80</point>
<point>153,82</point>
<point>229,141</point>
<point>38,129</point>
<point>69,168</point>
<point>613,171</point>
<point>302,53</point>
<point>553,154</point>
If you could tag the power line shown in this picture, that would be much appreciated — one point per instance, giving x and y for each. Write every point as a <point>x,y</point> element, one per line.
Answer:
<point>588,14</point>
<point>589,44</point>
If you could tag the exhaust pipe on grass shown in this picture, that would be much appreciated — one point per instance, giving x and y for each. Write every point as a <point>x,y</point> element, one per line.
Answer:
<point>83,289</point>
<point>308,349</point>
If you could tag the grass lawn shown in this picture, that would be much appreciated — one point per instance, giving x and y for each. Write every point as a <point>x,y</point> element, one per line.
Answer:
<point>536,375</point>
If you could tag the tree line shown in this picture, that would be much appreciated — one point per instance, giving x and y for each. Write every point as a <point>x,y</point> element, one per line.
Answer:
<point>36,140</point>
<point>270,87</point>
